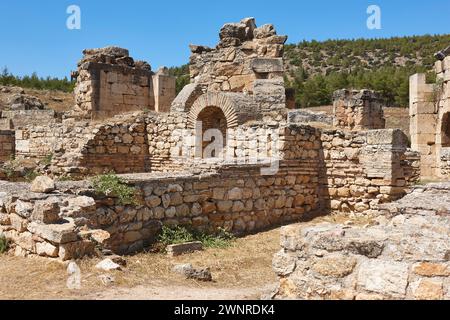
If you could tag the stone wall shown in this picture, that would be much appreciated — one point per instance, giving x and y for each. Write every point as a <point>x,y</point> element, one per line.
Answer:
<point>249,61</point>
<point>22,118</point>
<point>430,117</point>
<point>235,197</point>
<point>445,162</point>
<point>363,169</point>
<point>358,110</point>
<point>404,255</point>
<point>245,53</point>
<point>110,82</point>
<point>7,144</point>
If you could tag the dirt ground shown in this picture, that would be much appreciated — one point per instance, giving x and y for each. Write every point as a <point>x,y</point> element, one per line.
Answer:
<point>241,271</point>
<point>52,99</point>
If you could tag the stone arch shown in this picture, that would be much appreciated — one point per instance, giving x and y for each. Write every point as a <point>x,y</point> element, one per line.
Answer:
<point>212,118</point>
<point>213,99</point>
<point>445,130</point>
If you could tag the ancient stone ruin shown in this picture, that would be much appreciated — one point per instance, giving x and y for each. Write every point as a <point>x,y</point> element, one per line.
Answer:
<point>430,120</point>
<point>403,252</point>
<point>227,152</point>
<point>110,82</point>
<point>358,110</point>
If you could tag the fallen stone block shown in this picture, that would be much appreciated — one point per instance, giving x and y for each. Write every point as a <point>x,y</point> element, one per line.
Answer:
<point>183,248</point>
<point>188,271</point>
<point>46,211</point>
<point>107,265</point>
<point>55,233</point>
<point>42,184</point>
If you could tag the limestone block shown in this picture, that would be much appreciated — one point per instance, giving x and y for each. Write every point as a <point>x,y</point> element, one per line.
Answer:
<point>266,65</point>
<point>55,233</point>
<point>183,248</point>
<point>385,277</point>
<point>46,211</point>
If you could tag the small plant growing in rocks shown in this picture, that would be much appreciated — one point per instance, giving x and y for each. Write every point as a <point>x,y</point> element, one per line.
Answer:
<point>47,160</point>
<point>4,244</point>
<point>111,185</point>
<point>30,175</point>
<point>178,234</point>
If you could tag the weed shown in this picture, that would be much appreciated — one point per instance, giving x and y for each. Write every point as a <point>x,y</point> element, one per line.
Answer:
<point>111,185</point>
<point>179,234</point>
<point>4,244</point>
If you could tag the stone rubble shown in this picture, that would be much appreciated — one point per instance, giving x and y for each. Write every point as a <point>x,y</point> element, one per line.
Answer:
<point>403,255</point>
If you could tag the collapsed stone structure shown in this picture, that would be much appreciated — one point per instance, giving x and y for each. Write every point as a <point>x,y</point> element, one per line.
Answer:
<point>358,110</point>
<point>110,82</point>
<point>403,254</point>
<point>226,155</point>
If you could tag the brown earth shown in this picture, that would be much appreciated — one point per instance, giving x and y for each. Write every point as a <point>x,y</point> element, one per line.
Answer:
<point>52,99</point>
<point>241,271</point>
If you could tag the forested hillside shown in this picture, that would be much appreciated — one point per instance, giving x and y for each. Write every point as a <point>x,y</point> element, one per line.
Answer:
<point>316,69</point>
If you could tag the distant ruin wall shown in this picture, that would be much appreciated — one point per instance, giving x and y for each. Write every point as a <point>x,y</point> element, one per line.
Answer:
<point>445,162</point>
<point>110,82</point>
<point>358,110</point>
<point>248,60</point>
<point>22,118</point>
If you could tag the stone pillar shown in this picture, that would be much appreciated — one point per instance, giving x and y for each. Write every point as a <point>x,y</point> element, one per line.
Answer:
<point>358,110</point>
<point>382,160</point>
<point>423,120</point>
<point>164,90</point>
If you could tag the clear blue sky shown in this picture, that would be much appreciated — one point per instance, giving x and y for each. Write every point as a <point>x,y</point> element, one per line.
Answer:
<point>34,36</point>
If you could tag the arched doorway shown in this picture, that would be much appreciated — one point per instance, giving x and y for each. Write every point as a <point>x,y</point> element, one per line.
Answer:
<point>211,132</point>
<point>445,132</point>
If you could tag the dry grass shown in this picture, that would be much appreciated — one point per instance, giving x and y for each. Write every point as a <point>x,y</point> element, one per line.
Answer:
<point>243,270</point>
<point>246,263</point>
<point>56,100</point>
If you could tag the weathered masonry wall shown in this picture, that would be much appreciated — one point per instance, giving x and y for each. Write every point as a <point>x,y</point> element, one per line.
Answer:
<point>19,119</point>
<point>423,120</point>
<point>110,82</point>
<point>363,169</point>
<point>445,162</point>
<point>7,144</point>
<point>358,110</point>
<point>403,257</point>
<point>236,197</point>
<point>430,119</point>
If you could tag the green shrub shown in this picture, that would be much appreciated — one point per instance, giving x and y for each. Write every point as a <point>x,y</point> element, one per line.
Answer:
<point>47,160</point>
<point>175,235</point>
<point>179,234</point>
<point>111,185</point>
<point>30,175</point>
<point>4,244</point>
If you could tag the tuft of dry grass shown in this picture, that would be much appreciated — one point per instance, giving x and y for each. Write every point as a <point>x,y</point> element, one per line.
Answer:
<point>243,270</point>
